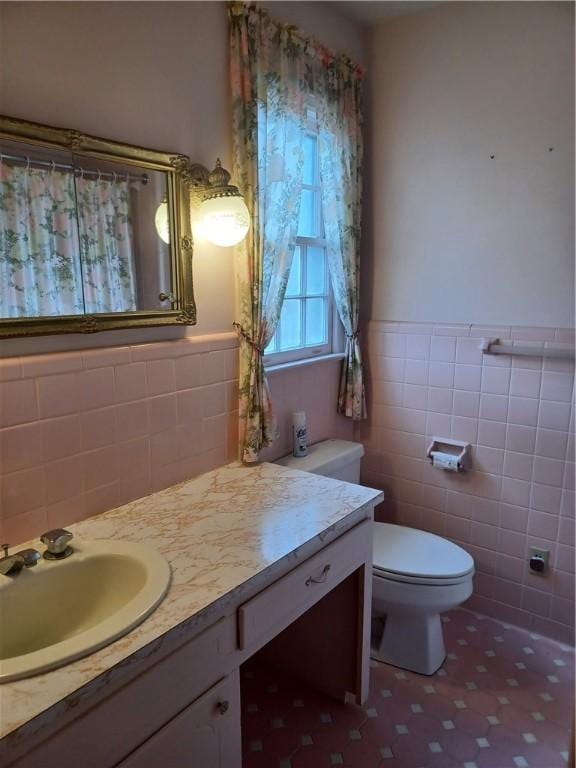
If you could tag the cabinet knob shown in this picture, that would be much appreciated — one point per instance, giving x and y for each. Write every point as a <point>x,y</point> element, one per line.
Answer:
<point>223,707</point>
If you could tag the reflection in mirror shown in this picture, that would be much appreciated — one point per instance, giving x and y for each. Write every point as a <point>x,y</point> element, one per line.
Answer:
<point>81,246</point>
<point>125,264</point>
<point>40,271</point>
<point>77,235</point>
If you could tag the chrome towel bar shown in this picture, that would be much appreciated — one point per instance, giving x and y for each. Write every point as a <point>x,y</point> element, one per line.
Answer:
<point>495,347</point>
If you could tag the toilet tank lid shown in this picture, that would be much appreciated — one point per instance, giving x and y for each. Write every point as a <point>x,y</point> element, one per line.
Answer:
<point>325,457</point>
<point>411,552</point>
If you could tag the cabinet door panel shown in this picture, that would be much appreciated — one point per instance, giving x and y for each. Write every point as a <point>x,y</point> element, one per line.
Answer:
<point>131,714</point>
<point>205,735</point>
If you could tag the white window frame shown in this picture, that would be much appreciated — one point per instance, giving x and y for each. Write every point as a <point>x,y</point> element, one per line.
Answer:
<point>335,332</point>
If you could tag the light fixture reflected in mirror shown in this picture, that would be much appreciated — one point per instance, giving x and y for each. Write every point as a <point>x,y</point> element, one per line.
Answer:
<point>161,221</point>
<point>224,217</point>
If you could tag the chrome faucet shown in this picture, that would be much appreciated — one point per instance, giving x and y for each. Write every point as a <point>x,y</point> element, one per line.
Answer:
<point>57,544</point>
<point>10,565</point>
<point>57,548</point>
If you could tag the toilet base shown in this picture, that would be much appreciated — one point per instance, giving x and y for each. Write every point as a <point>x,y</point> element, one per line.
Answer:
<point>413,642</point>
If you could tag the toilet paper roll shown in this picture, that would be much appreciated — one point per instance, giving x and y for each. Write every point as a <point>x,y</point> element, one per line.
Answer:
<point>445,461</point>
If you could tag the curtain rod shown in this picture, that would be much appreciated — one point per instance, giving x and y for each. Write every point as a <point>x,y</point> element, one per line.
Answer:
<point>143,178</point>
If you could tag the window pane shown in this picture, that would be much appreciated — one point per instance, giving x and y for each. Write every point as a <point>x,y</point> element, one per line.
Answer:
<point>310,159</point>
<point>271,346</point>
<point>315,321</point>
<point>315,271</point>
<point>290,324</point>
<point>295,277</point>
<point>307,220</point>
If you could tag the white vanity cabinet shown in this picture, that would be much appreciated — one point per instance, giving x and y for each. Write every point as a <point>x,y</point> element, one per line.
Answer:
<point>179,707</point>
<point>206,734</point>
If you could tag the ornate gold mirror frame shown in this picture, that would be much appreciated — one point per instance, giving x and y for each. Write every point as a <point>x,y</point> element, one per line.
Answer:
<point>182,177</point>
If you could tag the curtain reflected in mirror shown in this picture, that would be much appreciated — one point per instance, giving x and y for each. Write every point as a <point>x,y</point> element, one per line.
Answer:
<point>77,235</point>
<point>40,272</point>
<point>106,243</point>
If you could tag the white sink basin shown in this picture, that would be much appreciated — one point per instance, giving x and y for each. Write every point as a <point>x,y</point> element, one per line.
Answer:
<point>61,610</point>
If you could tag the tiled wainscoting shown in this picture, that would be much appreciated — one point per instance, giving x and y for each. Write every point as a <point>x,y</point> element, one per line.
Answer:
<point>84,431</point>
<point>518,414</point>
<point>313,388</point>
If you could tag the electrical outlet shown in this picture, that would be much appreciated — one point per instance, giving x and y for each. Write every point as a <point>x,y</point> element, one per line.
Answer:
<point>539,559</point>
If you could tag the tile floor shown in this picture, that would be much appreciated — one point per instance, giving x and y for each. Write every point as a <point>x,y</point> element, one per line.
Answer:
<point>504,699</point>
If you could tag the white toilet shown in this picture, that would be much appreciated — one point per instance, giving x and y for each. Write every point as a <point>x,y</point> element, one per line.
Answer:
<point>416,577</point>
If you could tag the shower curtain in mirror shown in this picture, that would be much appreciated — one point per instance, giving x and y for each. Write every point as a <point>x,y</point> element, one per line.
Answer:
<point>63,250</point>
<point>277,75</point>
<point>106,244</point>
<point>40,272</point>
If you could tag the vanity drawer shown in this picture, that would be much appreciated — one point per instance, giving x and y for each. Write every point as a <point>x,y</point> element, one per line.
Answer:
<point>277,606</point>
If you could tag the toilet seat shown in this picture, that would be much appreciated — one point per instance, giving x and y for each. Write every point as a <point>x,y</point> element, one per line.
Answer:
<point>380,573</point>
<point>418,557</point>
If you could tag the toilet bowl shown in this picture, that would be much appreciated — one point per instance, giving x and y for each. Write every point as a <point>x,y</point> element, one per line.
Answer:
<point>416,575</point>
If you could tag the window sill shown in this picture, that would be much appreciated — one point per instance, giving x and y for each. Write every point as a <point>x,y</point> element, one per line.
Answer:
<point>305,361</point>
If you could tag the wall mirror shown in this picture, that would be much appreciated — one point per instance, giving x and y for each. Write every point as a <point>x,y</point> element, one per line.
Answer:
<point>94,234</point>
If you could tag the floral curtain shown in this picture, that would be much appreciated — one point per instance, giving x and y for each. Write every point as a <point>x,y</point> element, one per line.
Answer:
<point>278,76</point>
<point>106,244</point>
<point>340,149</point>
<point>40,273</point>
<point>268,159</point>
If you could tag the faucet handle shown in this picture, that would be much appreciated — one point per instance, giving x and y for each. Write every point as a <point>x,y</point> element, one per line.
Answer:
<point>4,548</point>
<point>57,543</point>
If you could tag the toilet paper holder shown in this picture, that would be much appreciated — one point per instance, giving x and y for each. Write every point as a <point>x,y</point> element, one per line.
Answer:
<point>451,455</point>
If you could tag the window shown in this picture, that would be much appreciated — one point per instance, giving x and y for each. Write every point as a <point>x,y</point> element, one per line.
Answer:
<point>308,322</point>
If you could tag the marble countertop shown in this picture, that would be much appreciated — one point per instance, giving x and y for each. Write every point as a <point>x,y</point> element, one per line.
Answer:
<point>222,531</point>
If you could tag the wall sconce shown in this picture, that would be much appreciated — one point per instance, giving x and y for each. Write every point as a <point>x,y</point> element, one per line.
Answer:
<point>223,217</point>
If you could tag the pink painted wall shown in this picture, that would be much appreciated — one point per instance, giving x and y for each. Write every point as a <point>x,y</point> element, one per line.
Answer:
<point>153,74</point>
<point>427,380</point>
<point>459,236</point>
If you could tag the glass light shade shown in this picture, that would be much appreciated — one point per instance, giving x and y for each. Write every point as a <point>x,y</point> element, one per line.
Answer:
<point>161,222</point>
<point>225,220</point>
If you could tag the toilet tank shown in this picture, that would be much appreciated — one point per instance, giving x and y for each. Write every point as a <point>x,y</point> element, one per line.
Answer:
<point>339,459</point>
